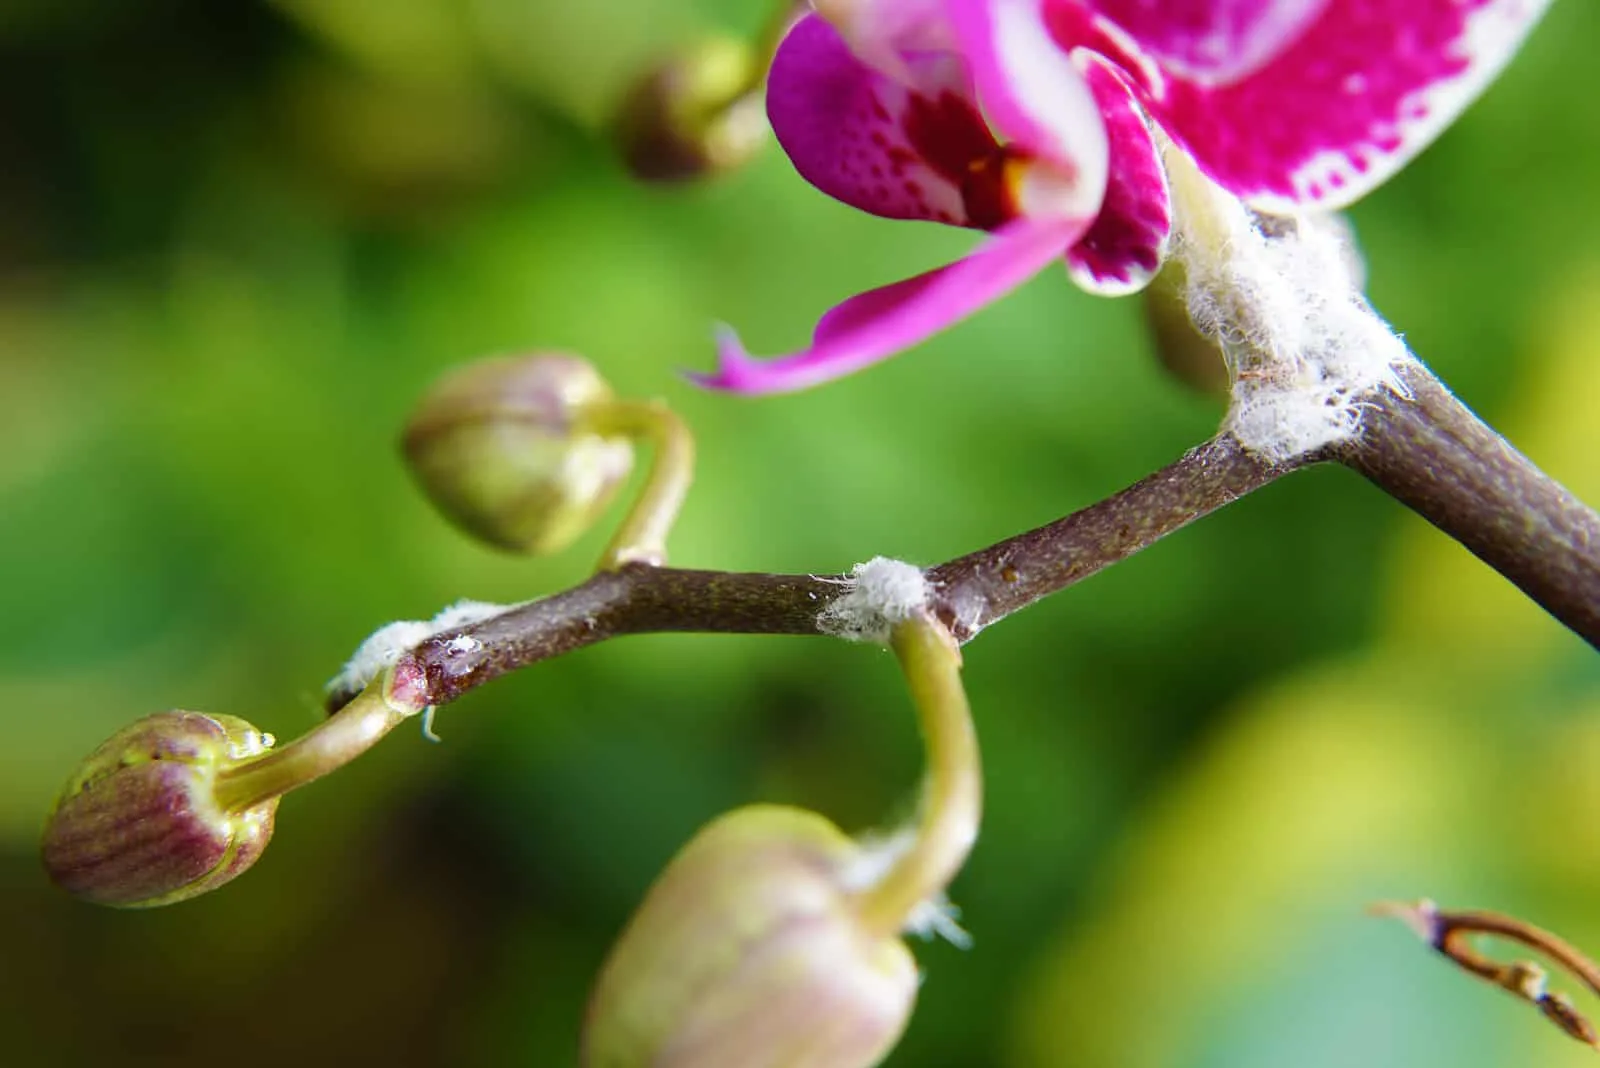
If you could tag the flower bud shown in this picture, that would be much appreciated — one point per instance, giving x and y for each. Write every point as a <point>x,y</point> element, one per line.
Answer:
<point>694,115</point>
<point>140,824</point>
<point>498,447</point>
<point>1190,356</point>
<point>748,951</point>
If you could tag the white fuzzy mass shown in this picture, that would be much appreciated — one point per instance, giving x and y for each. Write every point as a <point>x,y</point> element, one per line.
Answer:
<point>882,594</point>
<point>388,642</point>
<point>1305,349</point>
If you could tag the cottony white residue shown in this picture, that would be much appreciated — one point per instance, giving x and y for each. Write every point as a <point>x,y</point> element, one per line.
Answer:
<point>386,644</point>
<point>932,917</point>
<point>1305,350</point>
<point>882,594</point>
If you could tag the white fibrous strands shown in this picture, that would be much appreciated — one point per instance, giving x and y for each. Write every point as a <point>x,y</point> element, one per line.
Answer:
<point>1282,297</point>
<point>882,593</point>
<point>388,642</point>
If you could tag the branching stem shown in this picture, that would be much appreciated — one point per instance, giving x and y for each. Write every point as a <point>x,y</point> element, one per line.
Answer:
<point>968,593</point>
<point>1450,933</point>
<point>1426,450</point>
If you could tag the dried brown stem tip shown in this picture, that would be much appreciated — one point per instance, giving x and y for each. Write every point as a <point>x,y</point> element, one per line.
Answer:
<point>1450,934</point>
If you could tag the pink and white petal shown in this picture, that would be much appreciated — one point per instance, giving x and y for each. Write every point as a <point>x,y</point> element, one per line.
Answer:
<point>1124,248</point>
<point>1211,41</point>
<point>868,140</point>
<point>1368,86</point>
<point>881,32</point>
<point>1034,94</point>
<point>875,325</point>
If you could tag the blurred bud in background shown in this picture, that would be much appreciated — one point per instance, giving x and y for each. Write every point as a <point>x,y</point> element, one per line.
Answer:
<point>1190,356</point>
<point>141,823</point>
<point>695,114</point>
<point>749,950</point>
<point>500,448</point>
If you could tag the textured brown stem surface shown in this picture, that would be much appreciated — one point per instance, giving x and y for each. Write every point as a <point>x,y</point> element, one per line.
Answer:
<point>1431,453</point>
<point>968,593</point>
<point>1424,448</point>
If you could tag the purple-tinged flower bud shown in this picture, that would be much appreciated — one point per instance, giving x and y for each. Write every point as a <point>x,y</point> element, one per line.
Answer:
<point>500,448</point>
<point>750,950</point>
<point>694,115</point>
<point>141,824</point>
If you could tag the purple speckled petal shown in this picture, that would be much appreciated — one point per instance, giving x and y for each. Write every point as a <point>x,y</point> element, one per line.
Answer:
<point>882,322</point>
<point>1034,94</point>
<point>1211,41</point>
<point>1367,86</point>
<point>869,140</point>
<point>1124,248</point>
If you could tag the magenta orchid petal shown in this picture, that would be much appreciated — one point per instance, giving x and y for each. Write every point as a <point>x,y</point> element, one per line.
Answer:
<point>1367,86</point>
<point>873,142</point>
<point>1123,249</point>
<point>1211,41</point>
<point>1034,94</point>
<point>875,325</point>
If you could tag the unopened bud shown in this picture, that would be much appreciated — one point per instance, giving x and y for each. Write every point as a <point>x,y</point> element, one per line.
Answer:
<point>500,449</point>
<point>140,823</point>
<point>749,951</point>
<point>694,115</point>
<point>1190,356</point>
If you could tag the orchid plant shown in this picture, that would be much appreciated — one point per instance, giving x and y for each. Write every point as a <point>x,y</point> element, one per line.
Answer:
<point>1113,135</point>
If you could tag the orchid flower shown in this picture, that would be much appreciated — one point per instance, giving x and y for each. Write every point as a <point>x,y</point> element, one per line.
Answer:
<point>1034,120</point>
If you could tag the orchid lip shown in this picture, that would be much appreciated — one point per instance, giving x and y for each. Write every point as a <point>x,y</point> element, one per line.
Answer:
<point>1042,191</point>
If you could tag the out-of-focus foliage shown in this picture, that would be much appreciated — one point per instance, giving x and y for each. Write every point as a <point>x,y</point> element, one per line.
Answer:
<point>236,243</point>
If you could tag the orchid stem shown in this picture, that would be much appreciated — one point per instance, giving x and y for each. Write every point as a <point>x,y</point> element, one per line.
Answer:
<point>970,593</point>
<point>328,746</point>
<point>642,537</point>
<point>952,798</point>
<point>1428,451</point>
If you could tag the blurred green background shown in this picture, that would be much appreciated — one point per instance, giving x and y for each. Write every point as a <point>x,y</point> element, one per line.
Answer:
<point>238,240</point>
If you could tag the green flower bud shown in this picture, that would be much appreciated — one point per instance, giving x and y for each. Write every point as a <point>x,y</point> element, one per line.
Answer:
<point>140,823</point>
<point>694,115</point>
<point>749,951</point>
<point>1190,356</point>
<point>500,448</point>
